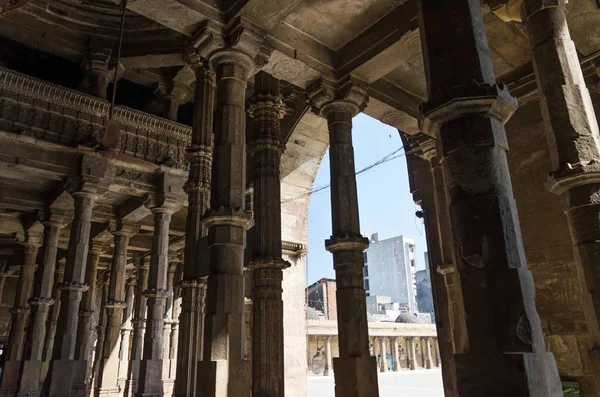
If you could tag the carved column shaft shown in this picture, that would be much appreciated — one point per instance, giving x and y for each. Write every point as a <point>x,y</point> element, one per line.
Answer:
<point>108,362</point>
<point>198,190</point>
<point>156,294</point>
<point>20,310</point>
<point>355,369</point>
<point>396,356</point>
<point>51,333</point>
<point>267,265</point>
<point>383,352</point>
<point>126,327</point>
<point>88,307</point>
<point>168,322</point>
<point>139,328</point>
<point>466,112</point>
<point>42,294</point>
<point>412,353</point>
<point>227,223</point>
<point>74,278</point>
<point>327,371</point>
<point>574,143</point>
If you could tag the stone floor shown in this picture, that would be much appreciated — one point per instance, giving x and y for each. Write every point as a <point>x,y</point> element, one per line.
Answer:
<point>421,383</point>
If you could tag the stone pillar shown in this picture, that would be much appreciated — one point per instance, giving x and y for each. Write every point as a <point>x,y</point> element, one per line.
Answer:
<point>104,283</point>
<point>466,112</point>
<point>436,352</point>
<point>64,366</point>
<point>223,370</point>
<point>411,353</point>
<point>126,328</point>
<point>170,199</point>
<point>327,371</point>
<point>20,310</point>
<point>383,352</point>
<point>85,341</point>
<point>139,328</point>
<point>167,329</point>
<point>396,356</point>
<point>267,265</point>
<point>197,187</point>
<point>426,344</point>
<point>355,369</point>
<point>175,327</point>
<point>574,143</point>
<point>41,302</point>
<point>51,331</point>
<point>108,361</point>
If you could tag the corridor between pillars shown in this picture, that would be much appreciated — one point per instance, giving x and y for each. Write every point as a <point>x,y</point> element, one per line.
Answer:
<point>505,352</point>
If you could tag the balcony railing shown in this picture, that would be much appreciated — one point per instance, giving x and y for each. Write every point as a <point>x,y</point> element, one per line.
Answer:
<point>59,115</point>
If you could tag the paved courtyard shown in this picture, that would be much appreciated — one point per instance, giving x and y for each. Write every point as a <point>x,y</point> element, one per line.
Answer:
<point>421,383</point>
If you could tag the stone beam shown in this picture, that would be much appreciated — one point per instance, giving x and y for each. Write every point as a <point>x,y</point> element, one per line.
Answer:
<point>396,97</point>
<point>183,16</point>
<point>369,56</point>
<point>265,14</point>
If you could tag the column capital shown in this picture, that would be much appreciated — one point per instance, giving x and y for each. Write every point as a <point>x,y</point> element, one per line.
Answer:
<point>347,95</point>
<point>488,99</point>
<point>228,216</point>
<point>240,44</point>
<point>531,7</point>
<point>347,243</point>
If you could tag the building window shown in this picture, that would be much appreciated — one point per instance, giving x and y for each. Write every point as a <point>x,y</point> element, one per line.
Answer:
<point>367,286</point>
<point>365,257</point>
<point>366,271</point>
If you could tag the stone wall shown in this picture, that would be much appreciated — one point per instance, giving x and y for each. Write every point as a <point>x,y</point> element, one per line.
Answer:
<point>299,165</point>
<point>548,245</point>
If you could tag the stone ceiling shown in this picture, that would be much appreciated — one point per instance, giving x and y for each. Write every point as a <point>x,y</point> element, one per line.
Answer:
<point>375,40</point>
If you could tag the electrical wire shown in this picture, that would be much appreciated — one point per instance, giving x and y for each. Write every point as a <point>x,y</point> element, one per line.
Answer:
<point>388,157</point>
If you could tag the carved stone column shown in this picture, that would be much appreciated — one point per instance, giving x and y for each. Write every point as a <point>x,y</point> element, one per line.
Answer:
<point>574,141</point>
<point>126,328</point>
<point>51,332</point>
<point>395,348</point>
<point>41,302</point>
<point>103,284</point>
<point>267,265</point>
<point>466,112</point>
<point>355,369</point>
<point>175,321</point>
<point>168,327</point>
<point>108,362</point>
<point>383,352</point>
<point>139,328</point>
<point>197,187</point>
<point>20,310</point>
<point>426,344</point>
<point>412,353</point>
<point>168,202</point>
<point>327,371</point>
<point>223,370</point>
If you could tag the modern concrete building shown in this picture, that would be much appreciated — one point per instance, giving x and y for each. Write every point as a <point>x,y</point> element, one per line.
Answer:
<point>390,267</point>
<point>424,290</point>
<point>321,296</point>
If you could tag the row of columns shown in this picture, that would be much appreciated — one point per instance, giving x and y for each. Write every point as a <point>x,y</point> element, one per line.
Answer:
<point>57,356</point>
<point>429,352</point>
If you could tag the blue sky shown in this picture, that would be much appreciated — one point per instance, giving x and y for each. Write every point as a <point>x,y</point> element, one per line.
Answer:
<point>385,202</point>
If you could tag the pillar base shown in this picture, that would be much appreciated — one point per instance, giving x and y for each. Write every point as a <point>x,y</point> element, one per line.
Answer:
<point>31,378</point>
<point>355,376</point>
<point>132,383</point>
<point>10,378</point>
<point>428,364</point>
<point>151,382</point>
<point>522,374</point>
<point>223,378</point>
<point>61,377</point>
<point>114,392</point>
<point>411,365</point>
